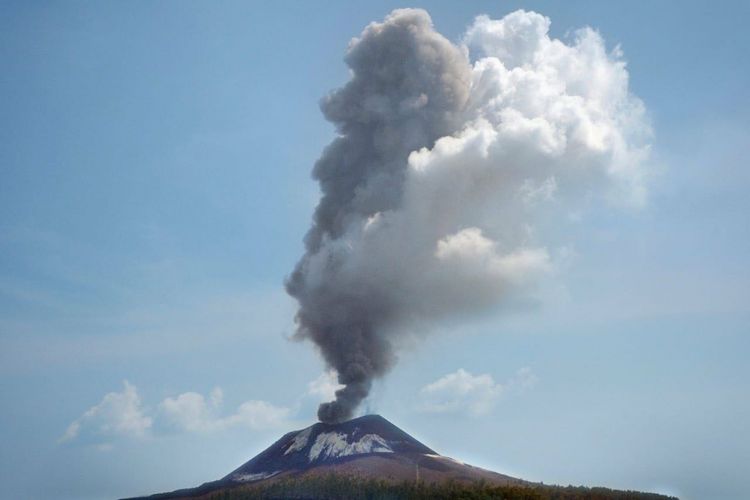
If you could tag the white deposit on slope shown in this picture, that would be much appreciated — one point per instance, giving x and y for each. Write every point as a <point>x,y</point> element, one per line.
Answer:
<point>300,441</point>
<point>246,478</point>
<point>334,444</point>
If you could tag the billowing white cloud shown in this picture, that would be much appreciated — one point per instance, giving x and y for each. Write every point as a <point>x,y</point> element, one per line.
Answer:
<point>463,392</point>
<point>117,414</point>
<point>453,178</point>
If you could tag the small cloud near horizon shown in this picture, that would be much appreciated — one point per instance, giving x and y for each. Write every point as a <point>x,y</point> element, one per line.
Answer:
<point>122,415</point>
<point>462,392</point>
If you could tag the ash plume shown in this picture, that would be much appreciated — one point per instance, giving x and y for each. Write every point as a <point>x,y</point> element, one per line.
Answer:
<point>453,166</point>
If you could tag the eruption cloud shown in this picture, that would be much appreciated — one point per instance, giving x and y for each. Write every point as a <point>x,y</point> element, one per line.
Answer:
<point>451,164</point>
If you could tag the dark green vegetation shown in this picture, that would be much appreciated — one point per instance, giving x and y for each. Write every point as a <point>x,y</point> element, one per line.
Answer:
<point>346,488</point>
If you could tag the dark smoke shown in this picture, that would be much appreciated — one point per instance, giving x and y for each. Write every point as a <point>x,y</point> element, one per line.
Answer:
<point>407,84</point>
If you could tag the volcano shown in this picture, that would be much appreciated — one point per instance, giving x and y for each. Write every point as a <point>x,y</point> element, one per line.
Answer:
<point>368,448</point>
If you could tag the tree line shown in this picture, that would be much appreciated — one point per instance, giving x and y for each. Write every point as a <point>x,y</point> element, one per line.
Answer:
<point>334,487</point>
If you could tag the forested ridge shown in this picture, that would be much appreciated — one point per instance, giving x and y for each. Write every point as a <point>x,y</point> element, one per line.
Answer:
<point>346,488</point>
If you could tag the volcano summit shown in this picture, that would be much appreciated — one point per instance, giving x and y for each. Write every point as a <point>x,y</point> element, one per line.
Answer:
<point>364,451</point>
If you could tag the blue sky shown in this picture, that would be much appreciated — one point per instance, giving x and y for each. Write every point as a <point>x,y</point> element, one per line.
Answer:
<point>154,190</point>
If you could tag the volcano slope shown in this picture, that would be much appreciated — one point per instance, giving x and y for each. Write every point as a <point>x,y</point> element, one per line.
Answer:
<point>369,457</point>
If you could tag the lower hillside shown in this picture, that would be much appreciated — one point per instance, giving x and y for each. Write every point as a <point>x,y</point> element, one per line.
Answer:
<point>345,488</point>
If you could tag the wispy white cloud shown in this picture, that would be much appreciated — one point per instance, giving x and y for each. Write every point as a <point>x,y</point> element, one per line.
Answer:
<point>523,380</point>
<point>325,386</point>
<point>192,412</point>
<point>463,392</point>
<point>256,415</point>
<point>135,328</point>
